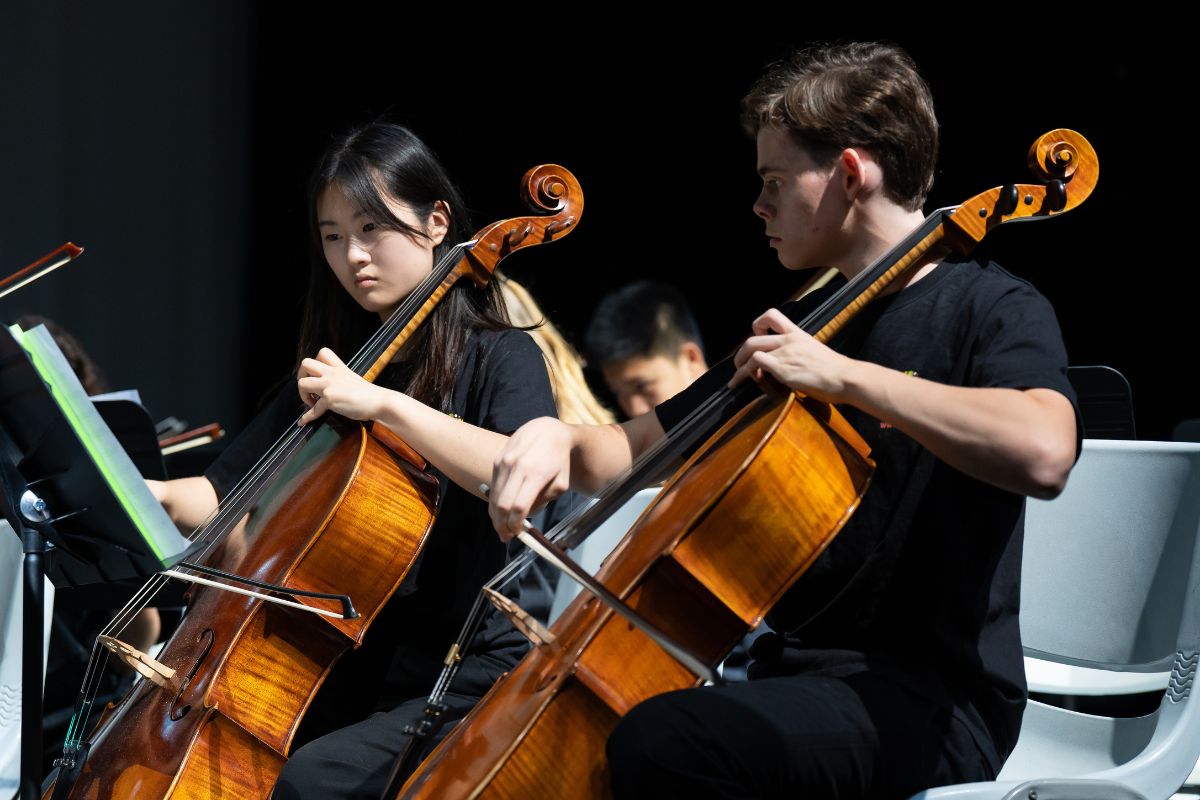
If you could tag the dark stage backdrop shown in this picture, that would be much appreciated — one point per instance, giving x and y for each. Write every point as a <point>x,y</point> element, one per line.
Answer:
<point>127,128</point>
<point>175,142</point>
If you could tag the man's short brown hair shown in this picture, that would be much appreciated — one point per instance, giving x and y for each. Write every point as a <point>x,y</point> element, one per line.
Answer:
<point>867,95</point>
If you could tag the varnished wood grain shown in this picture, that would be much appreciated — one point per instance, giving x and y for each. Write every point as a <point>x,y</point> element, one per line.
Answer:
<point>254,667</point>
<point>541,731</point>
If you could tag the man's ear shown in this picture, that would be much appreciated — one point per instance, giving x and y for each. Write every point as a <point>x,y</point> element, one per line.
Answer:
<point>693,359</point>
<point>860,173</point>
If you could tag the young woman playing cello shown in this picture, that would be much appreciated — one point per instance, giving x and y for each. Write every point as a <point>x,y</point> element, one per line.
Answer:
<point>382,211</point>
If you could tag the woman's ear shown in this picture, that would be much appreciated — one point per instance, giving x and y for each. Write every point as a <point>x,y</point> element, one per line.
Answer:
<point>438,224</point>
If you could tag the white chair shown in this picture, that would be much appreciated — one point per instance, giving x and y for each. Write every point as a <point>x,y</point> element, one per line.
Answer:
<point>596,547</point>
<point>1111,581</point>
<point>11,588</point>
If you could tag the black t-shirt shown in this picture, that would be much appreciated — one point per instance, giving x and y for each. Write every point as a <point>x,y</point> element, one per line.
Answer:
<point>923,582</point>
<point>502,383</point>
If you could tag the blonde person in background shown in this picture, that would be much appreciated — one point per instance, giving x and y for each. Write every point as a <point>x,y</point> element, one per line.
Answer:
<point>576,404</point>
<point>575,401</point>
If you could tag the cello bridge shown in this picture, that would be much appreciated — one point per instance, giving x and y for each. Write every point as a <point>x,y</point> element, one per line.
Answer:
<point>139,662</point>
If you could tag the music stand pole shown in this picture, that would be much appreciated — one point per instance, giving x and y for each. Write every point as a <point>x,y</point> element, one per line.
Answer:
<point>33,664</point>
<point>16,501</point>
<point>106,525</point>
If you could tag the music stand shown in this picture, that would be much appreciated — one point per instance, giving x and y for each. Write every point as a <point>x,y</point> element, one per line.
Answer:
<point>134,429</point>
<point>81,508</point>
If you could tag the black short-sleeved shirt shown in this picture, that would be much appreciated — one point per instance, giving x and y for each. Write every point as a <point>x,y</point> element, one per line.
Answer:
<point>923,583</point>
<point>502,383</point>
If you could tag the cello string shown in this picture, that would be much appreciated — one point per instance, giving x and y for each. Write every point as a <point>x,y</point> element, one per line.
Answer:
<point>581,523</point>
<point>267,467</point>
<point>366,354</point>
<point>228,514</point>
<point>560,531</point>
<point>219,524</point>
<point>233,506</point>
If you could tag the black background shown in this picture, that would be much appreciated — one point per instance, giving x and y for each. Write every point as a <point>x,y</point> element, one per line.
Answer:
<point>173,141</point>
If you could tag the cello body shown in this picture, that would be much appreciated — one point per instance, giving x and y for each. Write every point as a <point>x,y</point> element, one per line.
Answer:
<point>346,512</point>
<point>704,563</point>
<point>723,541</point>
<point>222,727</point>
<point>735,527</point>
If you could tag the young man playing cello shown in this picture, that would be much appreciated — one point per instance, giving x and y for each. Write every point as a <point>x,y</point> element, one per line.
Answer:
<point>896,663</point>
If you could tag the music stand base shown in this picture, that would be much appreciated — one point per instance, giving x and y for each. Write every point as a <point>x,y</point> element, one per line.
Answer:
<point>32,662</point>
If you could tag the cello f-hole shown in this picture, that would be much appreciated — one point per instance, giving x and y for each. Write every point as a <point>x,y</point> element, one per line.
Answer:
<point>178,712</point>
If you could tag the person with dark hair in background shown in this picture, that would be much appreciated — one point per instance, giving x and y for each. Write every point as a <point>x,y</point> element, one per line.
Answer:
<point>382,212</point>
<point>645,341</point>
<point>90,376</point>
<point>576,403</point>
<point>895,664</point>
<point>647,344</point>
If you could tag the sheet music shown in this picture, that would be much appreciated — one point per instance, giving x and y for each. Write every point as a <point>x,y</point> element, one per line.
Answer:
<point>132,395</point>
<point>106,452</point>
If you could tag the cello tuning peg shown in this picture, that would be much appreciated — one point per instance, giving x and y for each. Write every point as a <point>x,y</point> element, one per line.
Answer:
<point>517,235</point>
<point>1006,203</point>
<point>559,225</point>
<point>1056,196</point>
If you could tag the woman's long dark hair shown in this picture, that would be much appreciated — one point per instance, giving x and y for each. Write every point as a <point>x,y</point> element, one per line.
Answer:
<point>368,162</point>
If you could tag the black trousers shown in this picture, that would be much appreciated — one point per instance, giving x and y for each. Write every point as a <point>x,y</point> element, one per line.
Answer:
<point>795,737</point>
<point>356,761</point>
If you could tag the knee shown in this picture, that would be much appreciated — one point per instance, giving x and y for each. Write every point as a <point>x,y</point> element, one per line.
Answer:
<point>652,748</point>
<point>629,744</point>
<point>303,775</point>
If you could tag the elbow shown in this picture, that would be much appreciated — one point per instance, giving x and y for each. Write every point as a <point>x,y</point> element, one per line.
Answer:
<point>1048,467</point>
<point>1047,488</point>
<point>1048,444</point>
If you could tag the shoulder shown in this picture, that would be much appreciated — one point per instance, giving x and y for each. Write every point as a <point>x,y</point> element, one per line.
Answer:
<point>984,283</point>
<point>505,355</point>
<point>502,346</point>
<point>1010,331</point>
<point>504,381</point>
<point>981,295</point>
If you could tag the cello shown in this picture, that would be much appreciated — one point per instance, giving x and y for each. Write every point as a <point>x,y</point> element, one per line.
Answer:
<point>335,512</point>
<point>732,530</point>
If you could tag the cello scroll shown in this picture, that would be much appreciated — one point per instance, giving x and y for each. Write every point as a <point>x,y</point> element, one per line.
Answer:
<point>1064,159</point>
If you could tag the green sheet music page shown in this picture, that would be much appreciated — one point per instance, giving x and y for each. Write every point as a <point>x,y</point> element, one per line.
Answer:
<point>123,478</point>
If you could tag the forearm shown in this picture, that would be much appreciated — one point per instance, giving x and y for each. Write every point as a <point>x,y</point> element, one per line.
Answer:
<point>599,453</point>
<point>463,452</point>
<point>1023,441</point>
<point>545,457</point>
<point>187,501</point>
